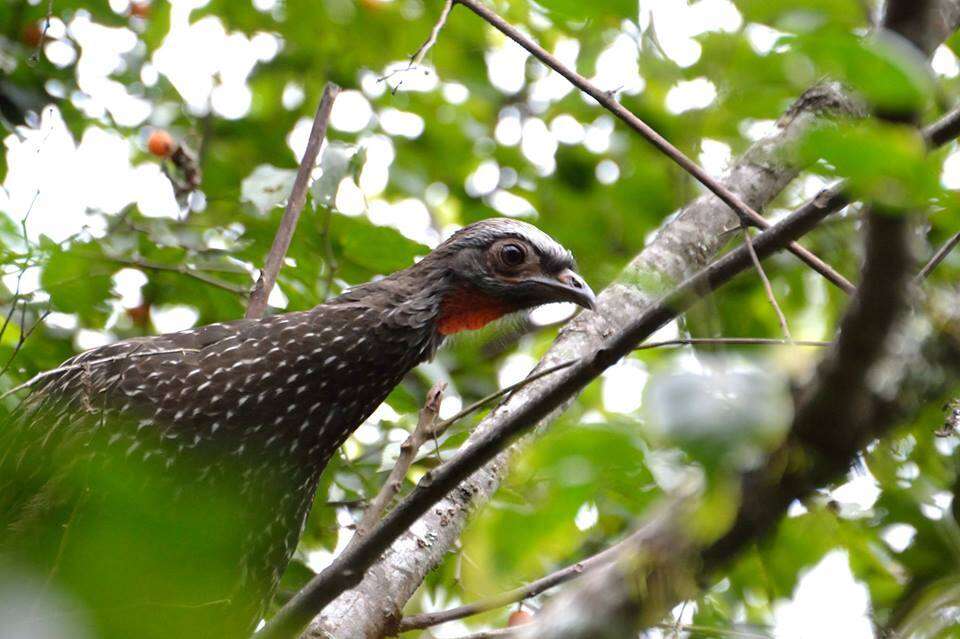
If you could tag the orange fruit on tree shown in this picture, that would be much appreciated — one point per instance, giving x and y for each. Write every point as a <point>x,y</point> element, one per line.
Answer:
<point>161,143</point>
<point>518,618</point>
<point>140,9</point>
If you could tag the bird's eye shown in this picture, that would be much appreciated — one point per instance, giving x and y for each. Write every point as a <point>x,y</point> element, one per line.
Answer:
<point>512,254</point>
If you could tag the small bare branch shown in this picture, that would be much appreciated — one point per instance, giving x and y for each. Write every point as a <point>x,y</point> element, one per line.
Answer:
<point>768,289</point>
<point>417,58</point>
<point>711,631</point>
<point>609,102</point>
<point>532,589</point>
<point>298,197</point>
<point>938,257</point>
<point>431,40</point>
<point>733,341</point>
<point>24,335</point>
<point>426,429</point>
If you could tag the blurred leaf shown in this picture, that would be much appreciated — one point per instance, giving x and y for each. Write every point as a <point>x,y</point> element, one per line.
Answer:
<point>890,75</point>
<point>550,485</point>
<point>337,162</point>
<point>267,187</point>
<point>377,248</point>
<point>78,279</point>
<point>579,10</point>
<point>805,14</point>
<point>884,163</point>
<point>720,416</point>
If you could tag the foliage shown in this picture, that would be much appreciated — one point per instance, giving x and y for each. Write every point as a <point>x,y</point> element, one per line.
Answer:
<point>480,130</point>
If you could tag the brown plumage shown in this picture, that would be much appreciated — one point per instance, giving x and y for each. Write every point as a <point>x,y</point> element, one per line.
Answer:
<point>230,426</point>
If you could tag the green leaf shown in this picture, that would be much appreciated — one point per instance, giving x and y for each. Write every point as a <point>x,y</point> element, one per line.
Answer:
<point>885,164</point>
<point>800,542</point>
<point>577,10</point>
<point>549,486</point>
<point>267,187</point>
<point>791,15</point>
<point>380,249</point>
<point>889,75</point>
<point>78,279</point>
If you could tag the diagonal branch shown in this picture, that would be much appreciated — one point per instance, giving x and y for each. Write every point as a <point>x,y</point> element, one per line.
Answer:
<point>940,255</point>
<point>531,589</point>
<point>425,430</point>
<point>683,244</point>
<point>746,213</point>
<point>348,569</point>
<point>298,197</point>
<point>837,414</point>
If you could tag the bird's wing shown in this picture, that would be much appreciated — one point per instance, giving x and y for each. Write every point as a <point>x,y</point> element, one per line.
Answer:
<point>56,424</point>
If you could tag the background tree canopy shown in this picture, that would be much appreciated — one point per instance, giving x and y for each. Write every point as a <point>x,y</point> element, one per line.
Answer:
<point>100,239</point>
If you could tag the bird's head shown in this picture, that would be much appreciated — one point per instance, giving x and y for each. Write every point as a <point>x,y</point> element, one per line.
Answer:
<point>499,266</point>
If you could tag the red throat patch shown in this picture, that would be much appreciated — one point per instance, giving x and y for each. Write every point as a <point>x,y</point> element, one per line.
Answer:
<point>468,309</point>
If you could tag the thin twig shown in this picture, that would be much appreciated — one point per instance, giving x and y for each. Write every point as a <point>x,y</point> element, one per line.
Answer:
<point>182,270</point>
<point>39,377</point>
<point>938,257</point>
<point>480,403</point>
<point>417,57</point>
<point>734,341</point>
<point>298,197</point>
<point>766,283</point>
<point>348,568</point>
<point>743,211</point>
<point>425,430</point>
<point>35,56</point>
<point>532,589</point>
<point>499,633</point>
<point>23,336</point>
<point>13,305</point>
<point>721,632</point>
<point>346,503</point>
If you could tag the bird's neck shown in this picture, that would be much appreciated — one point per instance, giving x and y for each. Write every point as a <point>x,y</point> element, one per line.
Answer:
<point>428,300</point>
<point>467,308</point>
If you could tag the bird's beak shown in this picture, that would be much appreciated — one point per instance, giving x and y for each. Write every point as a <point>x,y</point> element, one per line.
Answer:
<point>567,286</point>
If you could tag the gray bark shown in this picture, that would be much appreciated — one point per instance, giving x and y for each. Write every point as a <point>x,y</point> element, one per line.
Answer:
<point>683,245</point>
<point>839,411</point>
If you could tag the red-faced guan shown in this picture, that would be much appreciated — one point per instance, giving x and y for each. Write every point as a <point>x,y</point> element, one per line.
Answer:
<point>162,483</point>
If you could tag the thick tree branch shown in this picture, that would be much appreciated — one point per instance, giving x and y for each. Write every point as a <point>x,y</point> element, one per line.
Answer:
<point>837,415</point>
<point>298,197</point>
<point>523,411</point>
<point>425,430</point>
<point>745,212</point>
<point>682,245</point>
<point>568,573</point>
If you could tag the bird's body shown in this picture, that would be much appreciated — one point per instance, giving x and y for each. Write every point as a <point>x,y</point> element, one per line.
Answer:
<point>229,426</point>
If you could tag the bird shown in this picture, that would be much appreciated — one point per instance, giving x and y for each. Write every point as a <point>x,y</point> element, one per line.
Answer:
<point>178,470</point>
